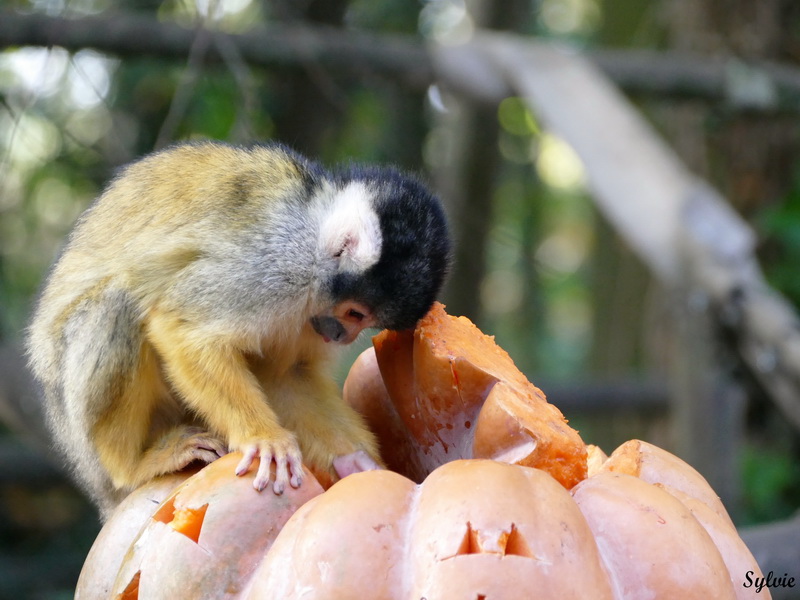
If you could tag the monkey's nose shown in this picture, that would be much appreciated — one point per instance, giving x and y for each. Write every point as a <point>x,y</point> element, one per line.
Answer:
<point>329,328</point>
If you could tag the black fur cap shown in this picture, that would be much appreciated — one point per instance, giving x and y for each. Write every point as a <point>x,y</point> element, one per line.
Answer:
<point>415,252</point>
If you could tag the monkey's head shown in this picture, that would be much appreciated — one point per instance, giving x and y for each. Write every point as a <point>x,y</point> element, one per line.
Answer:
<point>384,239</point>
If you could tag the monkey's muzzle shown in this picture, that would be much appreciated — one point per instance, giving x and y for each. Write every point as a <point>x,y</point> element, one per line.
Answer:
<point>329,328</point>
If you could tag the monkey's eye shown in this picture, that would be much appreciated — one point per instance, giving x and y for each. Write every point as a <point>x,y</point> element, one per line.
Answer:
<point>347,242</point>
<point>355,315</point>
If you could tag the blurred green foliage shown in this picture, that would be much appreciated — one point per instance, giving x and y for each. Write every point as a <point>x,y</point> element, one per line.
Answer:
<point>779,225</point>
<point>771,478</point>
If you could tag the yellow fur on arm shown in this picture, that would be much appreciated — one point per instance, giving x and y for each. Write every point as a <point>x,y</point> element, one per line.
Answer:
<point>212,378</point>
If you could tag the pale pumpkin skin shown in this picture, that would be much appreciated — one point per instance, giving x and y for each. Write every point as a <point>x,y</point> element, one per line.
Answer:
<point>668,473</point>
<point>473,527</point>
<point>115,539</point>
<point>614,535</point>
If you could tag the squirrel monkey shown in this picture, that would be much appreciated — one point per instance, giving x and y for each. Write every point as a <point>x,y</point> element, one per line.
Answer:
<point>191,310</point>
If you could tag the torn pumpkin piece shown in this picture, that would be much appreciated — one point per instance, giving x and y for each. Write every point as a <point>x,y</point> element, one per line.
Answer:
<point>459,395</point>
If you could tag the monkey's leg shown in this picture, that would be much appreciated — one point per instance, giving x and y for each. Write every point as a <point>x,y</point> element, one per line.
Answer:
<point>213,378</point>
<point>122,433</point>
<point>106,389</point>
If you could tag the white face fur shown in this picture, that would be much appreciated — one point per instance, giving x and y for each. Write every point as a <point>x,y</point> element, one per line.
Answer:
<point>349,229</point>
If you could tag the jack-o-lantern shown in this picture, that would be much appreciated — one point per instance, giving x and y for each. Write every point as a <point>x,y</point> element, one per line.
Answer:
<point>489,494</point>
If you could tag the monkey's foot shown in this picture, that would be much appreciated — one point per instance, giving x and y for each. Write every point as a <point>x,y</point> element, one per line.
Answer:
<point>288,463</point>
<point>355,462</point>
<point>197,444</point>
<point>176,450</point>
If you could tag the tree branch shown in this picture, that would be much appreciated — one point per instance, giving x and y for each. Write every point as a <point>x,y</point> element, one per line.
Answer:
<point>132,35</point>
<point>757,86</point>
<point>683,229</point>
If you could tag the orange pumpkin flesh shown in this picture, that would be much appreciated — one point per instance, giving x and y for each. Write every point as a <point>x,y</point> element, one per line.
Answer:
<point>365,390</point>
<point>187,521</point>
<point>644,524</point>
<point>453,393</point>
<point>131,592</point>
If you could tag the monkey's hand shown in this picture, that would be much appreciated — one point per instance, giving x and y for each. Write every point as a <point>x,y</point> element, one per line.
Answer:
<point>355,462</point>
<point>283,449</point>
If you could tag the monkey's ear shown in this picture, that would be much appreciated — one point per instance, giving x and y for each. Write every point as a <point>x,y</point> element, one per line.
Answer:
<point>350,231</point>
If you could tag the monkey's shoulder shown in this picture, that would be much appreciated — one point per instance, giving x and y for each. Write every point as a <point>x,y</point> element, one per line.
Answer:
<point>268,162</point>
<point>203,181</point>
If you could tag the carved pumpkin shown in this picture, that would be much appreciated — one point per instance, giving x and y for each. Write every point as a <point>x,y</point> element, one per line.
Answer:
<point>536,514</point>
<point>201,539</point>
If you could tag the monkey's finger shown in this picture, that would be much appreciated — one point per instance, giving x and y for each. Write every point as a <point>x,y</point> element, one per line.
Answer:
<point>365,462</point>
<point>263,474</point>
<point>281,473</point>
<point>296,468</point>
<point>355,462</point>
<point>250,453</point>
